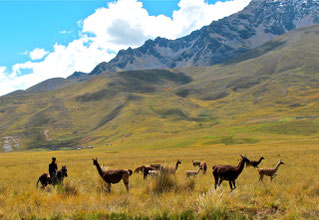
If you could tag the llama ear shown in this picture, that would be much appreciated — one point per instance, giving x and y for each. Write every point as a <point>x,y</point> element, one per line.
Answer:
<point>242,156</point>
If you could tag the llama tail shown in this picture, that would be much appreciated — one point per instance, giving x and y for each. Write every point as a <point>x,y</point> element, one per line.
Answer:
<point>130,172</point>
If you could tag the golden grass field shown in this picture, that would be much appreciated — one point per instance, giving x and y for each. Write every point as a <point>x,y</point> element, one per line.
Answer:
<point>294,193</point>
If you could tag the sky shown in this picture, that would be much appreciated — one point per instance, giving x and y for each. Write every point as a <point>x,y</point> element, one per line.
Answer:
<point>43,39</point>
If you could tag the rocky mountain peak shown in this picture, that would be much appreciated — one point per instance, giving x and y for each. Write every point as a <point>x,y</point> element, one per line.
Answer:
<point>227,38</point>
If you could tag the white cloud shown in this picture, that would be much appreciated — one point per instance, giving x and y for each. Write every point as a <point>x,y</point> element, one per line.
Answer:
<point>38,54</point>
<point>122,24</point>
<point>65,32</point>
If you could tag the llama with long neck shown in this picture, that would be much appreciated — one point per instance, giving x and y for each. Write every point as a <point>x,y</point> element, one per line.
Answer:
<point>271,172</point>
<point>228,172</point>
<point>255,163</point>
<point>193,173</point>
<point>171,170</point>
<point>113,176</point>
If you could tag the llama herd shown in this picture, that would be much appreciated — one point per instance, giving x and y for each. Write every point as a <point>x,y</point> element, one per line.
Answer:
<point>220,172</point>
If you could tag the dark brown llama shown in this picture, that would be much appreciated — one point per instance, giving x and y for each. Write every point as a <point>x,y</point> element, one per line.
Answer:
<point>254,163</point>
<point>228,172</point>
<point>114,176</point>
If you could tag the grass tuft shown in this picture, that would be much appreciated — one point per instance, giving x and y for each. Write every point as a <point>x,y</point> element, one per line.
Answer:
<point>164,183</point>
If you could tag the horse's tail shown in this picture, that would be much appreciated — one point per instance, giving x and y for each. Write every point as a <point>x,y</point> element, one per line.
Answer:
<point>130,172</point>
<point>38,183</point>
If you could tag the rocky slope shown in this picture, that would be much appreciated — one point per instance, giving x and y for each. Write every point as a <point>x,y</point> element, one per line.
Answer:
<point>259,22</point>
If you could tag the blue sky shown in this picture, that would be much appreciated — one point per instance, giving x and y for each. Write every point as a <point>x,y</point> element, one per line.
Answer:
<point>61,32</point>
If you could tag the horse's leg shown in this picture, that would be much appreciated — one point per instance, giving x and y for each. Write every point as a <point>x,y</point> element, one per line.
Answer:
<point>43,186</point>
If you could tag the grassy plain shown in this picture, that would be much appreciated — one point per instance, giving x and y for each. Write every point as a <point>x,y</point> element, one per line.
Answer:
<point>294,193</point>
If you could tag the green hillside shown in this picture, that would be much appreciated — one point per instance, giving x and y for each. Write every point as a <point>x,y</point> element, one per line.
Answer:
<point>271,92</point>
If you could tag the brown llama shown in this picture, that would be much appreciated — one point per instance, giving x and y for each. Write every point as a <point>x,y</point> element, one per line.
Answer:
<point>114,176</point>
<point>138,169</point>
<point>271,172</point>
<point>254,163</point>
<point>171,170</point>
<point>201,164</point>
<point>228,172</point>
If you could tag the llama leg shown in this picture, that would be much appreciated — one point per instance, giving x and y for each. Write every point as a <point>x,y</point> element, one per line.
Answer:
<point>145,174</point>
<point>109,187</point>
<point>220,181</point>
<point>231,186</point>
<point>216,181</point>
<point>234,184</point>
<point>273,176</point>
<point>126,183</point>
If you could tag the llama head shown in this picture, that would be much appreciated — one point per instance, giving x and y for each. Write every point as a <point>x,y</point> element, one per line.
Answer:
<point>178,162</point>
<point>95,162</point>
<point>262,158</point>
<point>281,162</point>
<point>245,159</point>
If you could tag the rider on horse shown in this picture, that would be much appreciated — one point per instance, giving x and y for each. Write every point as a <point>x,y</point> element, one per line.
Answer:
<point>53,169</point>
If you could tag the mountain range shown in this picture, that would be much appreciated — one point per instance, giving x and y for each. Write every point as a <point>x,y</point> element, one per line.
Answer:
<point>265,92</point>
<point>227,38</point>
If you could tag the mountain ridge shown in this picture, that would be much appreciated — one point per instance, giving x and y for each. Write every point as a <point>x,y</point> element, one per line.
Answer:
<point>271,90</point>
<point>222,40</point>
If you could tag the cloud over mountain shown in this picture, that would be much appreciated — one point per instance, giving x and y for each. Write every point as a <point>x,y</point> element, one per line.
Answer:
<point>122,24</point>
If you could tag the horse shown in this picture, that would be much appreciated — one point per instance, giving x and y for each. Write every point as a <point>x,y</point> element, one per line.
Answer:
<point>45,179</point>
